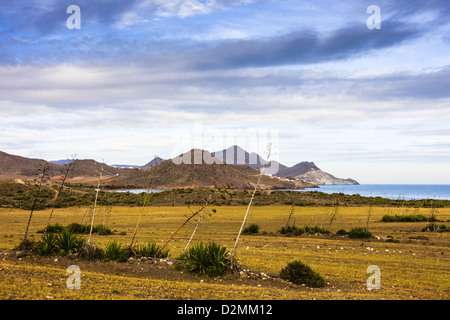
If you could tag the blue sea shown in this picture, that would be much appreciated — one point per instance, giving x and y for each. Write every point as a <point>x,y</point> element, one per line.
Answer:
<point>390,191</point>
<point>137,191</point>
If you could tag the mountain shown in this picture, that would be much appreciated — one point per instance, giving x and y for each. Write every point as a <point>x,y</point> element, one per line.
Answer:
<point>235,155</point>
<point>317,176</point>
<point>17,167</point>
<point>195,168</point>
<point>199,168</point>
<point>156,160</point>
<point>233,166</point>
<point>61,162</point>
<point>83,171</point>
<point>305,171</point>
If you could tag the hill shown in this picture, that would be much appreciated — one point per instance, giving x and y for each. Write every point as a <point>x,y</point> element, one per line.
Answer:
<point>235,155</point>
<point>156,160</point>
<point>195,168</point>
<point>17,167</point>
<point>199,168</point>
<point>304,171</point>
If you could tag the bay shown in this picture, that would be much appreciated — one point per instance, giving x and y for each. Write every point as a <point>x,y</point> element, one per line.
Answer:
<point>137,191</point>
<point>390,191</point>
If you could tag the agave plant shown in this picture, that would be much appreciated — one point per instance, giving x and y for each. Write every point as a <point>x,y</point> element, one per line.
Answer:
<point>48,245</point>
<point>211,259</point>
<point>68,242</point>
<point>151,249</point>
<point>115,251</point>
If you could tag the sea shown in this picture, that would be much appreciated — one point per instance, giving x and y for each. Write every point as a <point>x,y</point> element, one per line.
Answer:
<point>137,191</point>
<point>390,191</point>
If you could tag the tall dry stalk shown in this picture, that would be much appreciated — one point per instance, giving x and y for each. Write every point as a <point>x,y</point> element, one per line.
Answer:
<point>44,172</point>
<point>333,214</point>
<point>233,252</point>
<point>144,204</point>
<point>193,232</point>
<point>369,213</point>
<point>193,215</point>
<point>97,190</point>
<point>291,213</point>
<point>59,192</point>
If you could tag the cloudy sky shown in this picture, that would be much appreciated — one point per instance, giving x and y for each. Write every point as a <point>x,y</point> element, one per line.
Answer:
<point>150,77</point>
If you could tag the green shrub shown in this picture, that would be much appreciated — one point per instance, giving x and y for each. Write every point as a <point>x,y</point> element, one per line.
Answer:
<point>341,232</point>
<point>359,233</point>
<point>316,229</point>
<point>408,218</point>
<point>298,231</point>
<point>150,249</point>
<point>251,229</point>
<point>114,251</point>
<point>210,259</point>
<point>91,252</point>
<point>291,230</point>
<point>52,228</point>
<point>435,227</point>
<point>86,228</point>
<point>300,273</point>
<point>102,230</point>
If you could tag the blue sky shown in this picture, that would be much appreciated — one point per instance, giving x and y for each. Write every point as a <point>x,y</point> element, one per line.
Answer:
<point>140,76</point>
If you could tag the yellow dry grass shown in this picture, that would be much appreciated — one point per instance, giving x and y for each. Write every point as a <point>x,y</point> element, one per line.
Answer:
<point>410,269</point>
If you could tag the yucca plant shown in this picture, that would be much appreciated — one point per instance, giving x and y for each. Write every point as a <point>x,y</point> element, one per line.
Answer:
<point>114,251</point>
<point>151,249</point>
<point>210,259</point>
<point>67,242</point>
<point>47,246</point>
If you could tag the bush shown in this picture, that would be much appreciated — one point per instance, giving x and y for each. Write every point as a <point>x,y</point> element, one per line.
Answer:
<point>150,249</point>
<point>102,230</point>
<point>408,218</point>
<point>210,259</point>
<point>435,227</point>
<point>251,229</point>
<point>300,273</point>
<point>341,232</point>
<point>52,228</point>
<point>316,229</point>
<point>114,251</point>
<point>298,231</point>
<point>86,228</point>
<point>26,245</point>
<point>79,228</point>
<point>359,233</point>
<point>91,252</point>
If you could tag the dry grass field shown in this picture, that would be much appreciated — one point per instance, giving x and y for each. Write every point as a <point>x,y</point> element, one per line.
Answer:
<point>410,268</point>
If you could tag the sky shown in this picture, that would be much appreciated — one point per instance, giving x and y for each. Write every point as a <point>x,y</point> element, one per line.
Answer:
<point>315,79</point>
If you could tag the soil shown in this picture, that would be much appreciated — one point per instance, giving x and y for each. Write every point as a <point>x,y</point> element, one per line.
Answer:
<point>148,268</point>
